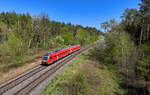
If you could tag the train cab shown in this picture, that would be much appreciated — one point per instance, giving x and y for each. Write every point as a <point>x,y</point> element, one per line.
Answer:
<point>50,57</point>
<point>45,58</point>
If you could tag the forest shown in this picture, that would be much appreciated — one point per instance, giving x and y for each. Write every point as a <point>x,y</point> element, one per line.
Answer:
<point>21,34</point>
<point>127,48</point>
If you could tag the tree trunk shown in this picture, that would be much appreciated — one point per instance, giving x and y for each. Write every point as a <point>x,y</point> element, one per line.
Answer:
<point>29,43</point>
<point>37,47</point>
<point>141,35</point>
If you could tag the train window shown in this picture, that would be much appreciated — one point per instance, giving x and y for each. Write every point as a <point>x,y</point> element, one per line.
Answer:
<point>45,57</point>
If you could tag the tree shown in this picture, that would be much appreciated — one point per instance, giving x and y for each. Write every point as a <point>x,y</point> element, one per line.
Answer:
<point>108,25</point>
<point>105,26</point>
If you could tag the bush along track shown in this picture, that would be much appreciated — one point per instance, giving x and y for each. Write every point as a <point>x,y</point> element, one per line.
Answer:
<point>84,77</point>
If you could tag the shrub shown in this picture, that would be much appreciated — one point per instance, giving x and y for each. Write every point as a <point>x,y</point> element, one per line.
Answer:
<point>144,67</point>
<point>78,85</point>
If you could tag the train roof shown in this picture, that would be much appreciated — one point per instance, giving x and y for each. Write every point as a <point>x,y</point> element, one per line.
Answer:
<point>64,48</point>
<point>68,47</point>
<point>59,50</point>
<point>51,52</point>
<point>74,45</point>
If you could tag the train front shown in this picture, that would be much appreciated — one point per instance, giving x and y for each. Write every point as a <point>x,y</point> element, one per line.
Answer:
<point>45,59</point>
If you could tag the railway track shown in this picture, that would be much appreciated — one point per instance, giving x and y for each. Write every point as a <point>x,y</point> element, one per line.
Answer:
<point>24,84</point>
<point>5,87</point>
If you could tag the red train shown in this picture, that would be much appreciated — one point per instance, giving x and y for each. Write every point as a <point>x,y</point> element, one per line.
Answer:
<point>53,56</point>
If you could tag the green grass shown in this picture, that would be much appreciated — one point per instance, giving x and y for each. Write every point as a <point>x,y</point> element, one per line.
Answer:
<point>96,79</point>
<point>109,82</point>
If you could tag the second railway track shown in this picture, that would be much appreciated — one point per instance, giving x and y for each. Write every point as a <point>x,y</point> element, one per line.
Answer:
<point>24,84</point>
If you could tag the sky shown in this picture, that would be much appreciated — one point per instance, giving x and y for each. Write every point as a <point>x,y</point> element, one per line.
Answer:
<point>84,12</point>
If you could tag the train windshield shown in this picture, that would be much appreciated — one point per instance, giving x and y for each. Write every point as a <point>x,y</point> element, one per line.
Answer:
<point>45,56</point>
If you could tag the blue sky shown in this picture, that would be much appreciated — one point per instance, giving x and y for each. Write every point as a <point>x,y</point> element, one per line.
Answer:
<point>83,12</point>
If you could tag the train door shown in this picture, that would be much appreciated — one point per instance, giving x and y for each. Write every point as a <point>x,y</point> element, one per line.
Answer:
<point>50,59</point>
<point>70,50</point>
<point>57,56</point>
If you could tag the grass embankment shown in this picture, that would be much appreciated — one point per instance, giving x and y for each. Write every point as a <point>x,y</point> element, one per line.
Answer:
<point>31,56</point>
<point>84,77</point>
<point>30,60</point>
